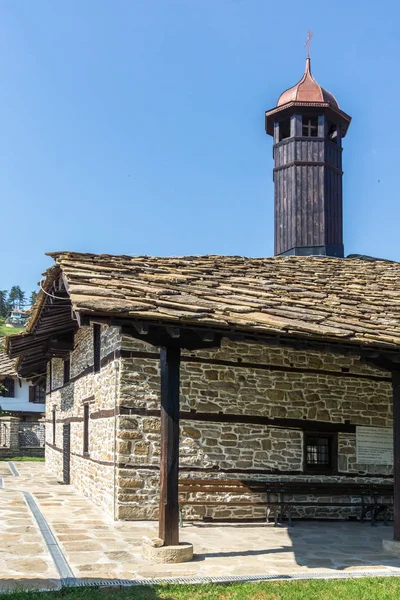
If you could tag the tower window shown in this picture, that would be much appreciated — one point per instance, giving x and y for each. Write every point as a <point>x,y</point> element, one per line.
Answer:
<point>284,129</point>
<point>333,132</point>
<point>310,126</point>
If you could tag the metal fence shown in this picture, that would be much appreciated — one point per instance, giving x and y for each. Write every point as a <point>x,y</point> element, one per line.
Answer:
<point>32,434</point>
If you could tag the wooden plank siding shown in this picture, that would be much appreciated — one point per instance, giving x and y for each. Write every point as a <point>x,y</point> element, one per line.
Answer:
<point>308,192</point>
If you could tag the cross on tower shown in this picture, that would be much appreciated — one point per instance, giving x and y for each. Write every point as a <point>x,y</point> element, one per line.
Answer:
<point>308,42</point>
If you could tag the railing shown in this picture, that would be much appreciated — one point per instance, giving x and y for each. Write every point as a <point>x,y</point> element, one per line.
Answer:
<point>32,434</point>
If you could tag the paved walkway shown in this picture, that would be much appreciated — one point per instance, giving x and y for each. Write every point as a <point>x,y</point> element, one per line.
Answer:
<point>84,545</point>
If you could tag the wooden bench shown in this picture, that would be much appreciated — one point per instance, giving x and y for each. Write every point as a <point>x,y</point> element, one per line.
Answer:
<point>281,496</point>
<point>367,497</point>
<point>189,488</point>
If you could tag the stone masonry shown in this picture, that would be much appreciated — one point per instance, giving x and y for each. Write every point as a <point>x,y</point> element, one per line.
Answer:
<point>120,472</point>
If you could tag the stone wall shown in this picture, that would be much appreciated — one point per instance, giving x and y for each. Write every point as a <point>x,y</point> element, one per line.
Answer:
<point>242,379</point>
<point>92,473</point>
<point>234,383</point>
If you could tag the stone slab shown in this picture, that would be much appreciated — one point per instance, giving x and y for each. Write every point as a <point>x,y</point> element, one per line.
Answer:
<point>168,554</point>
<point>392,546</point>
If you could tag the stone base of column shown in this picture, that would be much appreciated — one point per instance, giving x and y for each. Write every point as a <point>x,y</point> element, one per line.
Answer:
<point>392,546</point>
<point>168,554</point>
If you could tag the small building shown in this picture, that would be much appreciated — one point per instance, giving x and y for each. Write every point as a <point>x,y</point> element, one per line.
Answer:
<point>17,395</point>
<point>226,367</point>
<point>18,317</point>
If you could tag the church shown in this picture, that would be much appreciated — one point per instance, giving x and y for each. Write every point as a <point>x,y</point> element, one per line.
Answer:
<point>225,387</point>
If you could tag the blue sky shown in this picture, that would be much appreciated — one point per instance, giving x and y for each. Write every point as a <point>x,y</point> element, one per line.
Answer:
<point>137,126</point>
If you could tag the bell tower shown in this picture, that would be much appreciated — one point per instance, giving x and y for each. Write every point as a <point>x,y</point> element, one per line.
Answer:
<point>308,128</point>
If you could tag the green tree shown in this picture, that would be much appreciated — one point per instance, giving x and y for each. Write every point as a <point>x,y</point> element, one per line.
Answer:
<point>16,297</point>
<point>33,298</point>
<point>4,306</point>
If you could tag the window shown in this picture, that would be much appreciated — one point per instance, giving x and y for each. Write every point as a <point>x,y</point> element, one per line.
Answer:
<point>333,132</point>
<point>37,394</point>
<point>284,130</point>
<point>310,126</point>
<point>320,452</point>
<point>86,429</point>
<point>7,388</point>
<point>96,347</point>
<point>50,376</point>
<point>67,370</point>
<point>54,426</point>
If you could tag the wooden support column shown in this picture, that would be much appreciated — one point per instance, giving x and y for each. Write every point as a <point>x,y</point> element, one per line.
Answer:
<point>169,468</point>
<point>396,453</point>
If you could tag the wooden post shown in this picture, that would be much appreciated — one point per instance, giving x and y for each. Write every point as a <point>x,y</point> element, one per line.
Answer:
<point>396,453</point>
<point>169,508</point>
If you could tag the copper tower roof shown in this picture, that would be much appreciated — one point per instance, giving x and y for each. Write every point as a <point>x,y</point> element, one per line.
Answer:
<point>307,90</point>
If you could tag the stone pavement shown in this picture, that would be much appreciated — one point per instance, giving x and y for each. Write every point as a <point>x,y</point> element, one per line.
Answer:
<point>94,547</point>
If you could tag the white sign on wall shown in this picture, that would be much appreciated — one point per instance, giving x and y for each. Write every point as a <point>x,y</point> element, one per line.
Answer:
<point>374,445</point>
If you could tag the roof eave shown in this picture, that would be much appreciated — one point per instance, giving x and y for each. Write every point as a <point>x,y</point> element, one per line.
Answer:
<point>289,108</point>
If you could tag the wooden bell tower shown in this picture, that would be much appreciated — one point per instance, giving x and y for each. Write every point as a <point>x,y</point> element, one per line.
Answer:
<point>308,128</point>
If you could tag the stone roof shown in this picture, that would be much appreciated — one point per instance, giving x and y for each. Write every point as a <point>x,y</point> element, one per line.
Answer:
<point>347,300</point>
<point>8,366</point>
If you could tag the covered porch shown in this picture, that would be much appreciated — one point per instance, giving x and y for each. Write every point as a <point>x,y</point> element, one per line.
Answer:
<point>91,548</point>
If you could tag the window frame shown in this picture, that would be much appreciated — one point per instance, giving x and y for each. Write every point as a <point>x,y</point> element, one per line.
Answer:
<point>86,417</point>
<point>50,376</point>
<point>8,388</point>
<point>67,370</point>
<point>284,127</point>
<point>321,469</point>
<point>54,422</point>
<point>96,347</point>
<point>312,128</point>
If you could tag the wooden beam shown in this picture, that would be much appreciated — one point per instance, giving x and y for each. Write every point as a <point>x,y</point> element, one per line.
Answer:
<point>169,467</point>
<point>396,453</point>
<point>141,328</point>
<point>174,332</point>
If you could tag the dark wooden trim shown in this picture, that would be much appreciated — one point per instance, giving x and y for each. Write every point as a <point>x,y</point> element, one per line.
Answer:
<point>301,138</point>
<point>105,463</point>
<point>88,399</point>
<point>96,347</point>
<point>105,413</point>
<point>169,462</point>
<point>54,447</point>
<point>99,462</point>
<point>86,417</point>
<point>54,423</point>
<point>114,355</point>
<point>284,339</point>
<point>396,453</point>
<point>67,370</point>
<point>260,366</point>
<point>277,472</point>
<point>281,422</point>
<point>216,469</point>
<point>308,163</point>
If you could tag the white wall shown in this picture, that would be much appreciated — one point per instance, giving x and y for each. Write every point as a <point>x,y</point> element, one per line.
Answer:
<point>21,400</point>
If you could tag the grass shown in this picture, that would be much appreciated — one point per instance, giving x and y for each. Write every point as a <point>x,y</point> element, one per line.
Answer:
<point>23,458</point>
<point>4,330</point>
<point>352,589</point>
